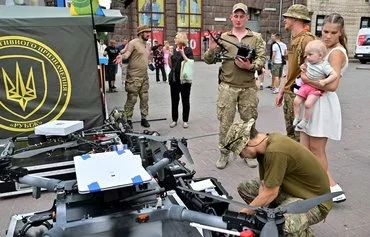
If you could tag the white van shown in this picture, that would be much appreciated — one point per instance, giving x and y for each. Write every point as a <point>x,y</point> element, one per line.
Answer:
<point>362,51</point>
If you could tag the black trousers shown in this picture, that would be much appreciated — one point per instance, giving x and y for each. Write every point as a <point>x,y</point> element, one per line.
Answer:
<point>178,89</point>
<point>163,71</point>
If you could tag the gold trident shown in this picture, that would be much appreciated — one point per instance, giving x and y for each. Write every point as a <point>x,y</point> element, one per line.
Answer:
<point>20,92</point>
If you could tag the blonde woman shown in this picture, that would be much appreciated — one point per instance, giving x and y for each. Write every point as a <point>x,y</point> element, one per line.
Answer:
<point>180,53</point>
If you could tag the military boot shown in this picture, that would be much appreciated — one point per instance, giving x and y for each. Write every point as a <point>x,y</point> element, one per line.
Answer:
<point>222,161</point>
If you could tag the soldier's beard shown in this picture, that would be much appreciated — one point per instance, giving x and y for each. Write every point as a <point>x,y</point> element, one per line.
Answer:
<point>143,38</point>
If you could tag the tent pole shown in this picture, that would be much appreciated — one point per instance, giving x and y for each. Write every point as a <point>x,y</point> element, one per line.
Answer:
<point>101,71</point>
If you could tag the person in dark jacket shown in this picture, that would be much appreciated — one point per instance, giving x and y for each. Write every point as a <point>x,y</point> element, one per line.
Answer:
<point>180,53</point>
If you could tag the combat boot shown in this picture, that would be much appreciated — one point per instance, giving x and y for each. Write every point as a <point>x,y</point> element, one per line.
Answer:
<point>251,163</point>
<point>129,122</point>
<point>145,123</point>
<point>222,161</point>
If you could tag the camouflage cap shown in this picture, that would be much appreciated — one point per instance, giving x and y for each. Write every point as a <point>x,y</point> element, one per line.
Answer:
<point>143,28</point>
<point>298,11</point>
<point>240,6</point>
<point>238,136</point>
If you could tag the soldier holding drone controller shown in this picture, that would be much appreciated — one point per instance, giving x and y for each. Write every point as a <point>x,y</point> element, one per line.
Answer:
<point>244,53</point>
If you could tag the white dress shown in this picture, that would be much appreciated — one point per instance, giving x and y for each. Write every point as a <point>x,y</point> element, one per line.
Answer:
<point>326,120</point>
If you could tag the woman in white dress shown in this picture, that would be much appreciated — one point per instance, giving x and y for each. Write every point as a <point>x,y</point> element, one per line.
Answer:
<point>326,118</point>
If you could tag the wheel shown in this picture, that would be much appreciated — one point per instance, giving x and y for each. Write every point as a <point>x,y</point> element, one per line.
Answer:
<point>363,61</point>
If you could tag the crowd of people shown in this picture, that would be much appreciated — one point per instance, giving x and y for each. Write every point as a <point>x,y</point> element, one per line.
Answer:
<point>292,166</point>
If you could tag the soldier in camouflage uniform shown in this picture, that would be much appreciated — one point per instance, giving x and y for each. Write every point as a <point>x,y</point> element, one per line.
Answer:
<point>295,19</point>
<point>237,88</point>
<point>137,80</point>
<point>288,173</point>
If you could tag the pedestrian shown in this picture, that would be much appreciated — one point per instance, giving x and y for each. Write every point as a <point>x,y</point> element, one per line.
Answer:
<point>110,70</point>
<point>158,56</point>
<point>137,80</point>
<point>319,70</point>
<point>270,42</point>
<point>294,21</point>
<point>180,53</point>
<point>101,48</point>
<point>260,78</point>
<point>237,87</point>
<point>288,172</point>
<point>279,52</point>
<point>326,120</point>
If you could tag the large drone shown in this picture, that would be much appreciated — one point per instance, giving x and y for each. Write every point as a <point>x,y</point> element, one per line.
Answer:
<point>245,52</point>
<point>144,208</point>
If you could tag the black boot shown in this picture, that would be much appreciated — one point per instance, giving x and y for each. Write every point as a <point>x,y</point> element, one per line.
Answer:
<point>129,122</point>
<point>145,123</point>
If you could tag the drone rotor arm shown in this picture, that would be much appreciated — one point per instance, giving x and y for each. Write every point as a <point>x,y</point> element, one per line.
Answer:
<point>239,204</point>
<point>151,137</point>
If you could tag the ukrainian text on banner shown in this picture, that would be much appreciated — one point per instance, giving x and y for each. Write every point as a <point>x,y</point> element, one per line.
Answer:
<point>45,75</point>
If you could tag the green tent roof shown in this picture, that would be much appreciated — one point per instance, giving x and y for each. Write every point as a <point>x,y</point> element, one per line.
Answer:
<point>31,16</point>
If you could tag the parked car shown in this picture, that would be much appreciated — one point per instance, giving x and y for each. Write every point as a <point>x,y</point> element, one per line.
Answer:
<point>362,51</point>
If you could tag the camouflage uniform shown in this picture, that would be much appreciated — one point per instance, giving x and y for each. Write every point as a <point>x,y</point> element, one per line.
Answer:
<point>296,225</point>
<point>237,88</point>
<point>137,86</point>
<point>295,59</point>
<point>137,80</point>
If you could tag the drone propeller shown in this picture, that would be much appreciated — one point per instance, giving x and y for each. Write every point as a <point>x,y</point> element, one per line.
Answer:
<point>30,153</point>
<point>303,206</point>
<point>269,229</point>
<point>186,152</point>
<point>236,203</point>
<point>182,147</point>
<point>298,207</point>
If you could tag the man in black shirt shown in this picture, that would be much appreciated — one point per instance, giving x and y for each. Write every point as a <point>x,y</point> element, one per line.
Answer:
<point>110,69</point>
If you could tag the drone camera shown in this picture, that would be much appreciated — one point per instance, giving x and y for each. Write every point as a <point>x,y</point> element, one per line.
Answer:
<point>246,52</point>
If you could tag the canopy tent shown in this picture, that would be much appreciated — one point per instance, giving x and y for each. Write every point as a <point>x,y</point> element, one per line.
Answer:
<point>54,16</point>
<point>48,67</point>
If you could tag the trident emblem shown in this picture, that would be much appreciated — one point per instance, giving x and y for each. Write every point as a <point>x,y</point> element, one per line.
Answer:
<point>20,91</point>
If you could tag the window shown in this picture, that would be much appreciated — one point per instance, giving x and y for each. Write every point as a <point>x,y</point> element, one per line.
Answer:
<point>365,22</point>
<point>189,20</point>
<point>151,13</point>
<point>319,23</point>
<point>189,13</point>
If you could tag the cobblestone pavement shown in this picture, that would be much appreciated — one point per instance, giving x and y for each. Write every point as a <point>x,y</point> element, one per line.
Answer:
<point>348,159</point>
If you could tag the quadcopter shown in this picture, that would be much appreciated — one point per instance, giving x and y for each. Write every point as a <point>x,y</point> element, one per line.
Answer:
<point>145,207</point>
<point>245,52</point>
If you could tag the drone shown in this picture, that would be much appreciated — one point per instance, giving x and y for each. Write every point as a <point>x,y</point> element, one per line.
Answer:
<point>245,52</point>
<point>148,206</point>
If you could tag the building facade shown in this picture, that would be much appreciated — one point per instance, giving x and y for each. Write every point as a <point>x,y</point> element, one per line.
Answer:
<point>196,17</point>
<point>356,15</point>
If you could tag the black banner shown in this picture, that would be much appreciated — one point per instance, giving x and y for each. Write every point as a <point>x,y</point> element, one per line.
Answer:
<point>47,72</point>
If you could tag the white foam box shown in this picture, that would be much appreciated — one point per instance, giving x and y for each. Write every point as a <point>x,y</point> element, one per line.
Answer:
<point>59,127</point>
